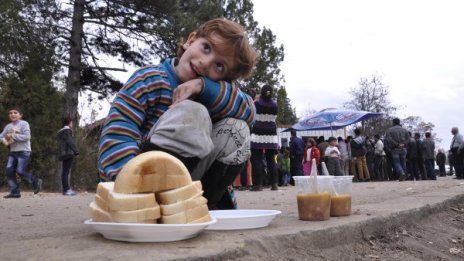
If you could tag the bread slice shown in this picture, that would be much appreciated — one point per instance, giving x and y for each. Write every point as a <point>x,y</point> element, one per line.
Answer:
<point>203,219</point>
<point>127,202</point>
<point>136,216</point>
<point>187,216</point>
<point>104,189</point>
<point>98,214</point>
<point>146,215</point>
<point>101,203</point>
<point>107,199</point>
<point>179,194</point>
<point>195,201</point>
<point>152,171</point>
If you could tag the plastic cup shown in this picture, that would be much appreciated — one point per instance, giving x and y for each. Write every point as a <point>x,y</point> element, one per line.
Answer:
<point>314,197</point>
<point>341,196</point>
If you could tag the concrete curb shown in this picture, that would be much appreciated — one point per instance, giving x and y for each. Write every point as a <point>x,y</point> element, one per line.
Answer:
<point>334,236</point>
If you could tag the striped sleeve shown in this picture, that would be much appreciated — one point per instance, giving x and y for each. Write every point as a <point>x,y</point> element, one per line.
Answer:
<point>226,100</point>
<point>123,131</point>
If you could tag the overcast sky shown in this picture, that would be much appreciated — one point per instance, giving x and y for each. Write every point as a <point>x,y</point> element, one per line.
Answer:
<point>416,46</point>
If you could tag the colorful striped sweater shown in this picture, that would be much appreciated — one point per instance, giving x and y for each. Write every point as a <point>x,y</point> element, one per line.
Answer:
<point>144,98</point>
<point>264,131</point>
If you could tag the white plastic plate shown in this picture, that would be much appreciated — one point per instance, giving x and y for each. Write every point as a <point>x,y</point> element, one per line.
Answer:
<point>135,232</point>
<point>242,218</point>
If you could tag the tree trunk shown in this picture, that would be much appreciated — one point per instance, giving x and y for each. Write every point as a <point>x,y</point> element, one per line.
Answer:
<point>75,63</point>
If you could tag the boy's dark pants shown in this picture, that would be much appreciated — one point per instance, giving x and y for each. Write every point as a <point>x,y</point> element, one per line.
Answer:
<point>66,168</point>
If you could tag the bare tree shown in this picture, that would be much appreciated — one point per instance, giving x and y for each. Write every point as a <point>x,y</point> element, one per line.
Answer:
<point>372,95</point>
<point>415,124</point>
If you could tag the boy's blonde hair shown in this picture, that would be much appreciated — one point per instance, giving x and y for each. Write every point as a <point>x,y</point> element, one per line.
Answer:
<point>234,43</point>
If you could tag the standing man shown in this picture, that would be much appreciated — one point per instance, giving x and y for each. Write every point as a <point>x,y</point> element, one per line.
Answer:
<point>429,156</point>
<point>68,150</point>
<point>17,135</point>
<point>451,163</point>
<point>358,152</point>
<point>420,156</point>
<point>397,137</point>
<point>379,159</point>
<point>457,150</point>
<point>297,147</point>
<point>441,161</point>
<point>412,158</point>
<point>344,156</point>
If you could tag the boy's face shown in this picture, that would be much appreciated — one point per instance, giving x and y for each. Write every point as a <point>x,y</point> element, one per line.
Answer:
<point>14,115</point>
<point>200,59</point>
<point>333,142</point>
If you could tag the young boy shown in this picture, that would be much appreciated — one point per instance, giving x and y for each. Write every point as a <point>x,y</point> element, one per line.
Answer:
<point>189,107</point>
<point>333,158</point>
<point>18,135</point>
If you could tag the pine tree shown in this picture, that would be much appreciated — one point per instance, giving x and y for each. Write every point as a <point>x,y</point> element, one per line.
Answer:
<point>26,81</point>
<point>286,114</point>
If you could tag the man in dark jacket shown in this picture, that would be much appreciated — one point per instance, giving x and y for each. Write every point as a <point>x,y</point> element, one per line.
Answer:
<point>429,156</point>
<point>441,161</point>
<point>358,154</point>
<point>397,137</point>
<point>68,150</point>
<point>420,161</point>
<point>297,147</point>
<point>412,158</point>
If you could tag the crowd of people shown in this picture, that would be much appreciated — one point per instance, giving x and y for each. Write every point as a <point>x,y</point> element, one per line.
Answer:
<point>397,156</point>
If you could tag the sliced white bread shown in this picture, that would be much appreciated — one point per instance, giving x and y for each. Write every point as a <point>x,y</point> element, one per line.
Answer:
<point>107,199</point>
<point>180,206</point>
<point>145,215</point>
<point>203,219</point>
<point>152,171</point>
<point>127,202</point>
<point>179,194</point>
<point>98,214</point>
<point>101,203</point>
<point>187,216</point>
<point>104,189</point>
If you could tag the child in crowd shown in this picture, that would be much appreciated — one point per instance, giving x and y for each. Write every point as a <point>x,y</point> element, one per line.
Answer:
<point>311,152</point>
<point>17,133</point>
<point>284,167</point>
<point>190,107</point>
<point>333,158</point>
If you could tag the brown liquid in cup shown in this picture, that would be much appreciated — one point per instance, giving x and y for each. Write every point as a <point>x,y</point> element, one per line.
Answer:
<point>340,205</point>
<point>314,207</point>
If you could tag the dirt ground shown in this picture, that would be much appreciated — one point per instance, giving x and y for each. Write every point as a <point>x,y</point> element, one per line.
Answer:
<point>390,221</point>
<point>439,236</point>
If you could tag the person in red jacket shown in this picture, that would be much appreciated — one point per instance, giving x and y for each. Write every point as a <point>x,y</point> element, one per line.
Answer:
<point>311,152</point>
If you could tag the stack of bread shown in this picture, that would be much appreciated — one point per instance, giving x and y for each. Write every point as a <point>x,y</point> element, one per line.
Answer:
<point>153,187</point>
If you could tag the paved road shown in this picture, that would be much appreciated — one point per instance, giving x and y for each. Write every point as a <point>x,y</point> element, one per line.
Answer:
<point>50,226</point>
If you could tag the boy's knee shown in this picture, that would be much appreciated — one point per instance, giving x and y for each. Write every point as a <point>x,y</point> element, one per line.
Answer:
<point>184,129</point>
<point>232,137</point>
<point>10,171</point>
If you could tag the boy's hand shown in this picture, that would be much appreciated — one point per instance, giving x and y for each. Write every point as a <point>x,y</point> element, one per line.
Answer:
<point>187,90</point>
